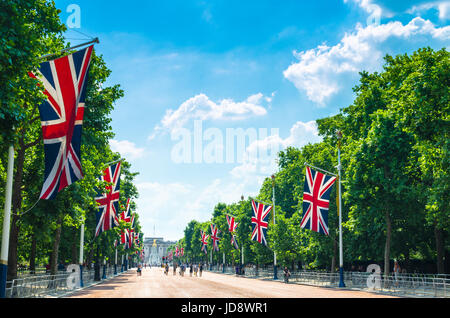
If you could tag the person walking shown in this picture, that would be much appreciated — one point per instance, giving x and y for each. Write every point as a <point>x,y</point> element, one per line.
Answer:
<point>190,270</point>
<point>396,272</point>
<point>201,269</point>
<point>287,274</point>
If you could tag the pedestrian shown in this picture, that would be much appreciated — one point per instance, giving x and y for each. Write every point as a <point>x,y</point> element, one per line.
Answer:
<point>190,270</point>
<point>396,272</point>
<point>139,270</point>
<point>166,269</point>
<point>201,269</point>
<point>174,269</point>
<point>195,270</point>
<point>287,274</point>
<point>182,270</point>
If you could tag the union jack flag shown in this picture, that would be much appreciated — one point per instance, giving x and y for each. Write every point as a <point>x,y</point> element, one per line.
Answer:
<point>260,221</point>
<point>215,237</point>
<point>131,235</point>
<point>234,242</point>
<point>204,238</point>
<point>124,235</point>
<point>108,201</point>
<point>182,251</point>
<point>61,114</point>
<point>316,200</point>
<point>137,239</point>
<point>177,251</point>
<point>232,224</point>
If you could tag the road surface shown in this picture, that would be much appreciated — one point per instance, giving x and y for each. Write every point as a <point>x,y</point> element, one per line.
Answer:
<point>154,284</point>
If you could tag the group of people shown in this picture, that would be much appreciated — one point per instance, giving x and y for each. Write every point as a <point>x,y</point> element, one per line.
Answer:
<point>194,269</point>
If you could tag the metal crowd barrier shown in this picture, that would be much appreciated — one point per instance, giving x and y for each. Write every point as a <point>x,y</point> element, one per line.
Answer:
<point>46,285</point>
<point>404,285</point>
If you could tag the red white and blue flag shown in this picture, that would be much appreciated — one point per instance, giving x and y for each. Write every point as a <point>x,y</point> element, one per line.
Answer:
<point>131,232</point>
<point>204,238</point>
<point>260,221</point>
<point>316,200</point>
<point>124,235</point>
<point>61,114</point>
<point>234,242</point>
<point>215,237</point>
<point>232,224</point>
<point>108,200</point>
<point>177,251</point>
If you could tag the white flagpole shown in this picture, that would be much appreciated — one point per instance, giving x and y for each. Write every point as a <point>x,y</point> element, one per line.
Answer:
<point>96,40</point>
<point>275,277</point>
<point>81,253</point>
<point>6,224</point>
<point>223,267</point>
<point>341,253</point>
<point>115,263</point>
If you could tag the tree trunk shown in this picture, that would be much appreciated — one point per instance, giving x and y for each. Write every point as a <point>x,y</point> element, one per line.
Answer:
<point>55,252</point>
<point>33,253</point>
<point>439,249</point>
<point>387,248</point>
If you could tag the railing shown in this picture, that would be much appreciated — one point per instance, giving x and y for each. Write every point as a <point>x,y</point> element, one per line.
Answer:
<point>46,285</point>
<point>404,285</point>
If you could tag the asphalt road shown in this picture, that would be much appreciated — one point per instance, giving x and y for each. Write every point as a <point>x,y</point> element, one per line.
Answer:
<point>154,284</point>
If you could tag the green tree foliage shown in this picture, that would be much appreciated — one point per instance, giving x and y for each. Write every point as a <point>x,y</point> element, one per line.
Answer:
<point>395,176</point>
<point>47,232</point>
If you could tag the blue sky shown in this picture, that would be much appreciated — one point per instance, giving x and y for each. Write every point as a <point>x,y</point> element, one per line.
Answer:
<point>236,64</point>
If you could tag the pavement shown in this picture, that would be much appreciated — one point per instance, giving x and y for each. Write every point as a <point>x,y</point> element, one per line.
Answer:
<point>153,283</point>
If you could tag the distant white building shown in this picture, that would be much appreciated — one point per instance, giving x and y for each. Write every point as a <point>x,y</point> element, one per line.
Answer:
<point>155,248</point>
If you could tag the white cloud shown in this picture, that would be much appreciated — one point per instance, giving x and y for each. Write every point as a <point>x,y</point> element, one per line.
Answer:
<point>200,107</point>
<point>443,7</point>
<point>319,71</point>
<point>127,149</point>
<point>370,7</point>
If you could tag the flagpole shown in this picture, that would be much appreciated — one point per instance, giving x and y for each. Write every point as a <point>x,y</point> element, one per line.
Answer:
<point>259,201</point>
<point>341,253</point>
<point>223,267</point>
<point>96,40</point>
<point>112,162</point>
<point>115,263</point>
<point>121,267</point>
<point>6,224</point>
<point>275,277</point>
<point>81,253</point>
<point>212,251</point>
<point>333,174</point>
